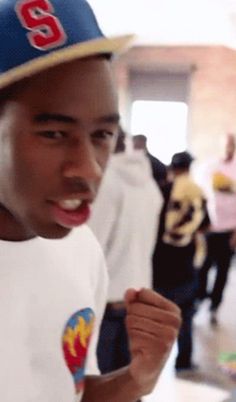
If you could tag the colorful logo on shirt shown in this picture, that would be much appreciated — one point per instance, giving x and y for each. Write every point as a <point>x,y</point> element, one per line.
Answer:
<point>76,340</point>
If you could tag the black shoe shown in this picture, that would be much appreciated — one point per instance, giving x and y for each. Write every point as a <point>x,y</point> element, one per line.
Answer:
<point>202,297</point>
<point>213,318</point>
<point>197,305</point>
<point>199,300</point>
<point>186,368</point>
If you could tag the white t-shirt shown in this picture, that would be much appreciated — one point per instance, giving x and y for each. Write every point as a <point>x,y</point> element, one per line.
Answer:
<point>125,220</point>
<point>221,204</point>
<point>50,293</point>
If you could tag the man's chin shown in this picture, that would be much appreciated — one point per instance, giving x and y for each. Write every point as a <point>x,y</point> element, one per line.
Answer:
<point>55,232</point>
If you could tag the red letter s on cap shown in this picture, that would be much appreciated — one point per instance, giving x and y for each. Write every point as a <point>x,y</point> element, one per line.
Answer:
<point>46,29</point>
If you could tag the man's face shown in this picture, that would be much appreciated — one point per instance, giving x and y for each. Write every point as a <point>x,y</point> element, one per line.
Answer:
<point>56,136</point>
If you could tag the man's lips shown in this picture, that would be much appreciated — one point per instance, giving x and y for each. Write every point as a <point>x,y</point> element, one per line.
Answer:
<point>70,213</point>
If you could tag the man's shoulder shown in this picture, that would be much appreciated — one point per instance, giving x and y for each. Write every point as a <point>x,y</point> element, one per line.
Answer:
<point>84,236</point>
<point>159,169</point>
<point>155,161</point>
<point>188,187</point>
<point>86,252</point>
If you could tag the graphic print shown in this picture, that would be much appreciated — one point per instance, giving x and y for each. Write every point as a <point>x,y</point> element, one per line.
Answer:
<point>46,31</point>
<point>76,340</point>
<point>221,182</point>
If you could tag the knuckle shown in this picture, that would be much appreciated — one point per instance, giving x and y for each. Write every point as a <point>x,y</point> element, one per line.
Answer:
<point>174,334</point>
<point>129,320</point>
<point>165,347</point>
<point>171,335</point>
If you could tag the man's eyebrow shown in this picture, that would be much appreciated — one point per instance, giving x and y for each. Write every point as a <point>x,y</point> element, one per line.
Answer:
<point>61,118</point>
<point>110,118</point>
<point>54,117</point>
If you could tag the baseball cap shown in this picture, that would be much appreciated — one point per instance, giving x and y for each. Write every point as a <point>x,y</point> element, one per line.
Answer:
<point>38,34</point>
<point>181,160</point>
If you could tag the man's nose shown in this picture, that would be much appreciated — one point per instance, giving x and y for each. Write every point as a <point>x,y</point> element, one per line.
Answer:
<point>82,162</point>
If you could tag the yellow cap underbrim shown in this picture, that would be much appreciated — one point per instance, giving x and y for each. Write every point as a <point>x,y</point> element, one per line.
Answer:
<point>70,53</point>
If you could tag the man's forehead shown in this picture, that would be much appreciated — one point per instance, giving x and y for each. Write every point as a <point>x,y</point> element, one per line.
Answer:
<point>83,75</point>
<point>77,92</point>
<point>77,70</point>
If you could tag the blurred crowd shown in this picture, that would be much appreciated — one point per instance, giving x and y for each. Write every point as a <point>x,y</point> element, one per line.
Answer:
<point>163,228</point>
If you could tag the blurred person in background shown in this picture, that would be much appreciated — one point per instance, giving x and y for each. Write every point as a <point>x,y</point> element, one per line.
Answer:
<point>125,221</point>
<point>180,248</point>
<point>219,182</point>
<point>159,170</point>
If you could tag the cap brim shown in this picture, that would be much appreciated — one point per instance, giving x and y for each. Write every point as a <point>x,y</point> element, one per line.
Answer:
<point>70,53</point>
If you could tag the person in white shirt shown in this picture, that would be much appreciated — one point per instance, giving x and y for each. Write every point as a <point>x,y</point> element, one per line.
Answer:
<point>58,126</point>
<point>125,221</point>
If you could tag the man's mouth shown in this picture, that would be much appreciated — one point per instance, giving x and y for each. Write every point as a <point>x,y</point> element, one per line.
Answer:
<point>70,213</point>
<point>70,205</point>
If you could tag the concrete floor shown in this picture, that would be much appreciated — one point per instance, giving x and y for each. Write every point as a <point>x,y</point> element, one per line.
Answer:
<point>209,383</point>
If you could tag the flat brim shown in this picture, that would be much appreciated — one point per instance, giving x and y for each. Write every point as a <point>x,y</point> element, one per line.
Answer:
<point>81,50</point>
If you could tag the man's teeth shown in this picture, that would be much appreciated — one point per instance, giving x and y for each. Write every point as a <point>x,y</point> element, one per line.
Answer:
<point>70,205</point>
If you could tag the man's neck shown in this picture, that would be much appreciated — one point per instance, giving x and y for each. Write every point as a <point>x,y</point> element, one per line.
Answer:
<point>10,229</point>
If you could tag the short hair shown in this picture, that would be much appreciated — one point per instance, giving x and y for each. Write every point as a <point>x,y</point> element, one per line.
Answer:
<point>11,90</point>
<point>140,137</point>
<point>181,160</point>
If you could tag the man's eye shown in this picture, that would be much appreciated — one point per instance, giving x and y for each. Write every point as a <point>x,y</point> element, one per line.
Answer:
<point>103,135</point>
<point>53,135</point>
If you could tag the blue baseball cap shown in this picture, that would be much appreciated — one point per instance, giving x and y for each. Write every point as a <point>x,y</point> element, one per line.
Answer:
<point>38,34</point>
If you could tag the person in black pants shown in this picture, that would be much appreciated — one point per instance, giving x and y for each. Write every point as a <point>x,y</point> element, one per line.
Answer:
<point>174,275</point>
<point>219,254</point>
<point>174,278</point>
<point>220,184</point>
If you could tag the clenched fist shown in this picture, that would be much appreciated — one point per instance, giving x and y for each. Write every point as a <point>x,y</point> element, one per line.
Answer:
<point>152,323</point>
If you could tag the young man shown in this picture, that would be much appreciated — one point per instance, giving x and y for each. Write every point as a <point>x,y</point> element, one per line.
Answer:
<point>58,124</point>
<point>183,215</point>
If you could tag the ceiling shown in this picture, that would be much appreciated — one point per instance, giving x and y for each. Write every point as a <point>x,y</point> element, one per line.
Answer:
<point>170,22</point>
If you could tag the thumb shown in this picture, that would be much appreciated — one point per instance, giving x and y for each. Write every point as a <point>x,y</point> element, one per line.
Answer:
<point>131,295</point>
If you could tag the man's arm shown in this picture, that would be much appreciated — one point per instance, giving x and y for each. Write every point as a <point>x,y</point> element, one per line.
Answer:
<point>152,324</point>
<point>113,387</point>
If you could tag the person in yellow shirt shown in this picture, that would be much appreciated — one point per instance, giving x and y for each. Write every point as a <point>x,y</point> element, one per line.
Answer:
<point>177,252</point>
